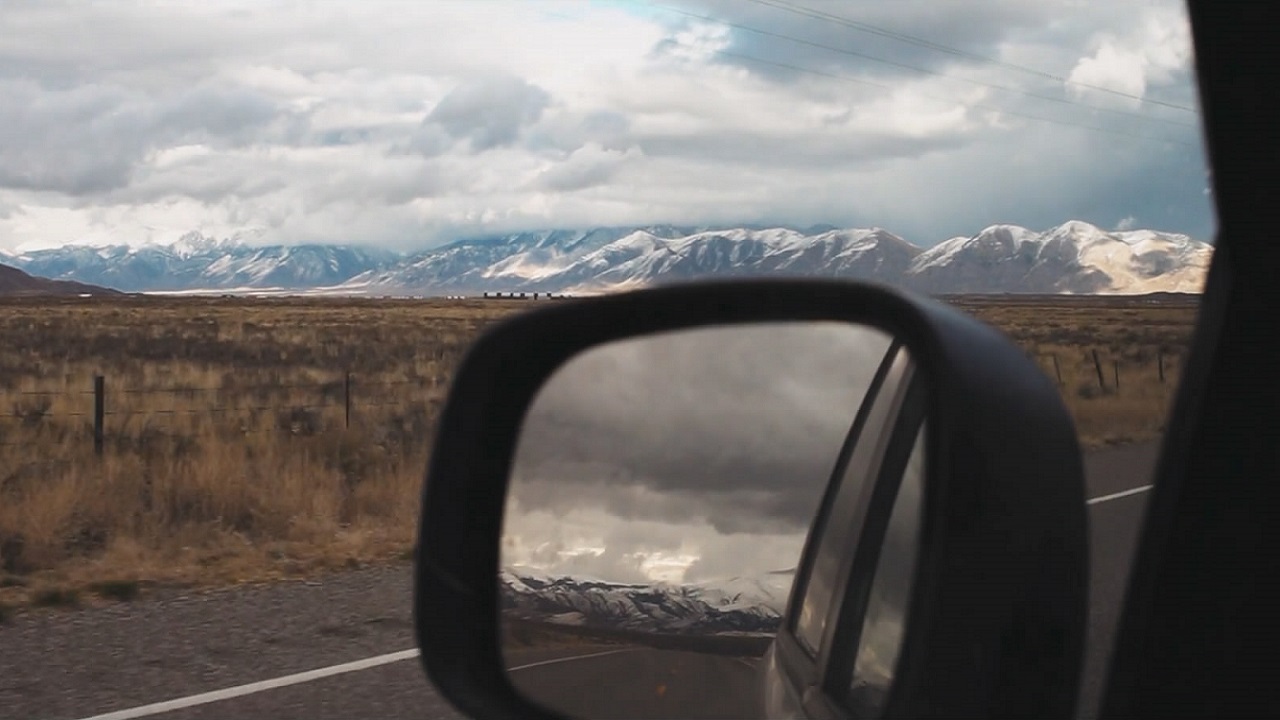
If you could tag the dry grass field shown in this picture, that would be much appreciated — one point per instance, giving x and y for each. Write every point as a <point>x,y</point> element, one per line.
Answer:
<point>1137,347</point>
<point>229,455</point>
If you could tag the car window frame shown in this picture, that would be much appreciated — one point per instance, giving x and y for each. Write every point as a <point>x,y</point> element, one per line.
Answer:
<point>851,503</point>
<point>806,672</point>
<point>910,434</point>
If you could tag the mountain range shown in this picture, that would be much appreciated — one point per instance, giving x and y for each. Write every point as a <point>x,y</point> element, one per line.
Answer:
<point>16,283</point>
<point>739,606</point>
<point>1075,257</point>
<point>197,262</point>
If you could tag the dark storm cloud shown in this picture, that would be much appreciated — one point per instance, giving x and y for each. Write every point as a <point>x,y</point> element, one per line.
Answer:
<point>738,428</point>
<point>89,139</point>
<point>489,112</point>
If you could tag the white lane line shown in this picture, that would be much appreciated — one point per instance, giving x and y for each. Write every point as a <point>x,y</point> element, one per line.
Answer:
<point>1117,496</point>
<point>320,673</point>
<point>257,687</point>
<point>567,659</point>
<point>295,679</point>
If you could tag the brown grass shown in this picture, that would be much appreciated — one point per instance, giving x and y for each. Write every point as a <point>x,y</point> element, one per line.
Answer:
<point>1132,339</point>
<point>227,454</point>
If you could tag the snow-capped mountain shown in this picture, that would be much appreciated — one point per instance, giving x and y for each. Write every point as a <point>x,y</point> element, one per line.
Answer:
<point>733,606</point>
<point>496,262</point>
<point>1074,257</point>
<point>620,258</point>
<point>195,261</point>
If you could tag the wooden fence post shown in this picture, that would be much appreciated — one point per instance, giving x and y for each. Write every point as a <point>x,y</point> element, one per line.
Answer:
<point>346,399</point>
<point>1097,365</point>
<point>99,411</point>
<point>1116,369</point>
<point>1160,364</point>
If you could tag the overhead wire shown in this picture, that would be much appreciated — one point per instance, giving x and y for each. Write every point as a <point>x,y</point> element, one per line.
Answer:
<point>921,42</point>
<point>916,68</point>
<point>965,103</point>
<point>974,106</point>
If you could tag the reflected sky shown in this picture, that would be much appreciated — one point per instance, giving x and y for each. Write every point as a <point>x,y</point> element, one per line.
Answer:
<point>688,456</point>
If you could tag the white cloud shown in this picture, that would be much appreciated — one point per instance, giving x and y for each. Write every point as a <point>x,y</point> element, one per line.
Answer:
<point>404,124</point>
<point>1152,53</point>
<point>1114,68</point>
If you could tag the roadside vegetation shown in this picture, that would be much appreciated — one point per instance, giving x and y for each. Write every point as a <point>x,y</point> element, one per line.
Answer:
<point>1116,360</point>
<point>248,440</point>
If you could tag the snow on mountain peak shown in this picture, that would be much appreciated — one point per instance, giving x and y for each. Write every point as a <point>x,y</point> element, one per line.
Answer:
<point>1078,227</point>
<point>991,239</point>
<point>1078,232</point>
<point>640,239</point>
<point>196,243</point>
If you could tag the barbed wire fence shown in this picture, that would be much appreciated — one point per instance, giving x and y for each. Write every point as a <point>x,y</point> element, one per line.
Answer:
<point>1108,372</point>
<point>1094,373</point>
<point>341,394</point>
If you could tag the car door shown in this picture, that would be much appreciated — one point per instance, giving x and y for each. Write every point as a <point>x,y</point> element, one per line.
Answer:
<point>813,666</point>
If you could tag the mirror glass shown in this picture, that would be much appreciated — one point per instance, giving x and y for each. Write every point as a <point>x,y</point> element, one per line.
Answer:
<point>661,493</point>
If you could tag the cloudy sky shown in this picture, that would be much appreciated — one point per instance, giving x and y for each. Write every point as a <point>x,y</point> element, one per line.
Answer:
<point>688,456</point>
<point>405,124</point>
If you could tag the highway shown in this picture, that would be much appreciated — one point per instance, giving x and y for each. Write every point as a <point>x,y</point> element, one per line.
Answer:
<point>657,684</point>
<point>342,647</point>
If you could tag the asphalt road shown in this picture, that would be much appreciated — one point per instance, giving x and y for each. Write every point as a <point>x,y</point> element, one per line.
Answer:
<point>178,647</point>
<point>657,684</point>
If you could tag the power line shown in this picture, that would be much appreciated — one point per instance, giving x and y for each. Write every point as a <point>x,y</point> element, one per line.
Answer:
<point>975,106</point>
<point>916,68</point>
<point>921,42</point>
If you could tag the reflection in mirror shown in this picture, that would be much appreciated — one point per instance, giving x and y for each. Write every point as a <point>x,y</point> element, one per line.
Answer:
<point>838,535</point>
<point>660,495</point>
<point>880,641</point>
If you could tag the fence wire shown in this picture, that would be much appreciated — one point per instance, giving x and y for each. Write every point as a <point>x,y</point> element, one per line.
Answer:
<point>346,387</point>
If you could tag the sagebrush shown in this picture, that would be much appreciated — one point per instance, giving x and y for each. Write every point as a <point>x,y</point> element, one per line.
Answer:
<point>250,439</point>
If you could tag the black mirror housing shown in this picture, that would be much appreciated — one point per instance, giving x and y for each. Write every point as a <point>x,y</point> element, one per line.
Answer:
<point>999,602</point>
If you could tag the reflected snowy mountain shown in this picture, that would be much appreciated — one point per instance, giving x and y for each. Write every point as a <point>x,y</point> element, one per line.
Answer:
<point>752,606</point>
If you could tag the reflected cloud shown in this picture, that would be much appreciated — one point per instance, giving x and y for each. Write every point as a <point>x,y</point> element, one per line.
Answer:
<point>687,456</point>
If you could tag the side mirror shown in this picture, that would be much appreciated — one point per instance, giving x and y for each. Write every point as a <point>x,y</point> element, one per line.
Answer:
<point>753,498</point>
